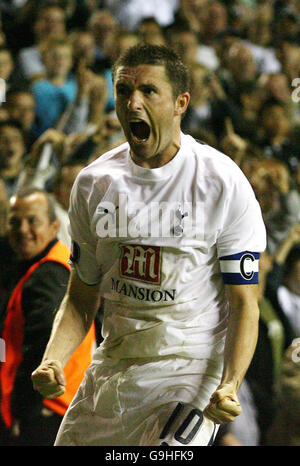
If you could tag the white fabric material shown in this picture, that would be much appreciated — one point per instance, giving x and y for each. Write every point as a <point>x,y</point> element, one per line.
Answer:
<point>183,309</point>
<point>207,56</point>
<point>30,61</point>
<point>63,232</point>
<point>265,57</point>
<point>130,12</point>
<point>233,266</point>
<point>165,310</point>
<point>128,403</point>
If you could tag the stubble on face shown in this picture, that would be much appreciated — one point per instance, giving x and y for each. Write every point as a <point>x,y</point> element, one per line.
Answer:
<point>145,106</point>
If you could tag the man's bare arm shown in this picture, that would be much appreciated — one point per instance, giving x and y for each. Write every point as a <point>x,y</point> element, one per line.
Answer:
<point>72,322</point>
<point>240,345</point>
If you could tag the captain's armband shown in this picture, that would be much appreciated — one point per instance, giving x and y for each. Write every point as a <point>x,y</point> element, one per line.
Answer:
<point>240,268</point>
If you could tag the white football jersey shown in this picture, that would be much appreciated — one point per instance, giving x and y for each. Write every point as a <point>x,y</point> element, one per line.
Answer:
<point>162,243</point>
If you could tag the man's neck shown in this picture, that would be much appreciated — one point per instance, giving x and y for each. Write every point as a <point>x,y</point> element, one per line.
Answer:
<point>57,80</point>
<point>161,159</point>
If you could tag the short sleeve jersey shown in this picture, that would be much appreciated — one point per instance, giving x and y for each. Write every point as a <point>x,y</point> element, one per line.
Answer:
<point>162,243</point>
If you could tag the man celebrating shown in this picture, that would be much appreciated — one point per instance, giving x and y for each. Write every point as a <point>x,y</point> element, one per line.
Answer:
<point>167,231</point>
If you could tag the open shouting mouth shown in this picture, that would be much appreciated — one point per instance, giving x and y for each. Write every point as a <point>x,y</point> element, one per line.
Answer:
<point>140,130</point>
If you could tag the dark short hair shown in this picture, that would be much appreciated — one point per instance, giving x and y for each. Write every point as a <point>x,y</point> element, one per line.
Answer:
<point>160,55</point>
<point>268,104</point>
<point>27,191</point>
<point>292,258</point>
<point>11,93</point>
<point>58,178</point>
<point>4,48</point>
<point>12,123</point>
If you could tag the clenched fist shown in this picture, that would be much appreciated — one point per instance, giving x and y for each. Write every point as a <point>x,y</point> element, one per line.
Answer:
<point>49,379</point>
<point>223,406</point>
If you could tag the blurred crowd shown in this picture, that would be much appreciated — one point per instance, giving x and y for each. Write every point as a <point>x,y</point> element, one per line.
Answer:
<point>57,115</point>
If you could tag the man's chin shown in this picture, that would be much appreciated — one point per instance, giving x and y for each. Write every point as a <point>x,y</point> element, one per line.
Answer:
<point>24,253</point>
<point>141,150</point>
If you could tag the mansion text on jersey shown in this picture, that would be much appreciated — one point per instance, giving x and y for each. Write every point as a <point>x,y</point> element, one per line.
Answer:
<point>155,219</point>
<point>142,293</point>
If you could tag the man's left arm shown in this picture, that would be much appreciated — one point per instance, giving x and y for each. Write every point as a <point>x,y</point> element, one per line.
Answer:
<point>240,344</point>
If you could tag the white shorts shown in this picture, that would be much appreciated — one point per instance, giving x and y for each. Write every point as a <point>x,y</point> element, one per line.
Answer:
<point>142,403</point>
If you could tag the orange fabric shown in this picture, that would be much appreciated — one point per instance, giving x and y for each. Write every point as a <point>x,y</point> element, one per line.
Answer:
<point>13,334</point>
<point>13,337</point>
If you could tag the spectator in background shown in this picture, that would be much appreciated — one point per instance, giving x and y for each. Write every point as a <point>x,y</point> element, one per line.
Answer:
<point>289,56</point>
<point>88,108</point>
<point>12,154</point>
<point>233,145</point>
<point>62,186</point>
<point>285,428</point>
<point>185,42</point>
<point>214,22</point>
<point>3,114</point>
<point>84,48</point>
<point>38,284</point>
<point>20,105</point>
<point>259,39</point>
<point>198,120</point>
<point>2,33</point>
<point>7,67</point>
<point>103,26</point>
<point>124,40</point>
<point>277,88</point>
<point>237,74</point>
<point>193,13</point>
<point>245,109</point>
<point>289,290</point>
<point>241,69</point>
<point>286,25</point>
<point>58,89</point>
<point>150,31</point>
<point>49,23</point>
<point>275,136</point>
<point>275,336</point>
<point>240,16</point>
<point>129,13</point>
<point>35,172</point>
<point>281,273</point>
<point>278,199</point>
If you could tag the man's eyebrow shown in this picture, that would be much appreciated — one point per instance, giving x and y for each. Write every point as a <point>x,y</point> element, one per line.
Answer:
<point>149,86</point>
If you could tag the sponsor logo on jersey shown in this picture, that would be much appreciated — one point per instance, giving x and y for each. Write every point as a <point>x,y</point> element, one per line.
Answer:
<point>142,293</point>
<point>140,262</point>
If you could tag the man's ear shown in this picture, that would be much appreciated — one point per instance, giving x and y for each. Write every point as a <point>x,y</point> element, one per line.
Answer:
<point>182,103</point>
